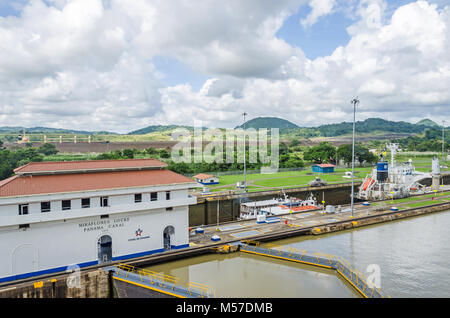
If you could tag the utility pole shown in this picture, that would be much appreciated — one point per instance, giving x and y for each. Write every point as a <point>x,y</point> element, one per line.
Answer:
<point>354,101</point>
<point>337,161</point>
<point>443,140</point>
<point>245,159</point>
<point>218,198</point>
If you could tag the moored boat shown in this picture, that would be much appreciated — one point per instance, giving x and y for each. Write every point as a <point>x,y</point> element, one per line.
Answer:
<point>286,205</point>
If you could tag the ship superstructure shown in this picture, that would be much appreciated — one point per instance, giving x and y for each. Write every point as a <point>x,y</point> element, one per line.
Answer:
<point>394,180</point>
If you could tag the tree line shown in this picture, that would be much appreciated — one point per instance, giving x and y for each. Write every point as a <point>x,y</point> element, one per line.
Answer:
<point>430,141</point>
<point>325,152</point>
<point>289,157</point>
<point>16,157</point>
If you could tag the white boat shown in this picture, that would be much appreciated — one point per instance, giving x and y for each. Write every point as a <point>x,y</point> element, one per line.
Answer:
<point>286,205</point>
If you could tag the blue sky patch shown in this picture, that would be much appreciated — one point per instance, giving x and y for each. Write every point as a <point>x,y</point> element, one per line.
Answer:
<point>176,72</point>
<point>320,39</point>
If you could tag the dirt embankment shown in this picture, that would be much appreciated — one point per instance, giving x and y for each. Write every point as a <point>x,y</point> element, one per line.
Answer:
<point>105,146</point>
<point>337,141</point>
<point>99,147</point>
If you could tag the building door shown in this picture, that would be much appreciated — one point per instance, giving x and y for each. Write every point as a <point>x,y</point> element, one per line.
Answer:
<point>104,245</point>
<point>24,259</point>
<point>169,231</point>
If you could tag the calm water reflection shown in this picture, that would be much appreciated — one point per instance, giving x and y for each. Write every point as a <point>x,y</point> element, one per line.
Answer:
<point>244,275</point>
<point>413,256</point>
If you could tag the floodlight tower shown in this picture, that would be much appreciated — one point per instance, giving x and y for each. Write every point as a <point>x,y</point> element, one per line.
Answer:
<point>245,159</point>
<point>355,102</point>
<point>443,140</point>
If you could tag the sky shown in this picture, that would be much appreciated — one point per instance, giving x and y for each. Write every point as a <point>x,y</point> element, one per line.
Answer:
<point>121,65</point>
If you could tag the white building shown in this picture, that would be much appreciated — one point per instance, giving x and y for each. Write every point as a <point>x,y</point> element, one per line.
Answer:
<point>206,179</point>
<point>57,214</point>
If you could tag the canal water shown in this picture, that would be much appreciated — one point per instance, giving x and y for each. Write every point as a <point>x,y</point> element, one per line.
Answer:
<point>411,257</point>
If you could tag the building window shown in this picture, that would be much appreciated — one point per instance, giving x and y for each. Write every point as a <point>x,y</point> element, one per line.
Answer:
<point>153,196</point>
<point>104,201</point>
<point>138,197</point>
<point>169,208</point>
<point>65,204</point>
<point>45,206</point>
<point>23,209</point>
<point>167,195</point>
<point>85,203</point>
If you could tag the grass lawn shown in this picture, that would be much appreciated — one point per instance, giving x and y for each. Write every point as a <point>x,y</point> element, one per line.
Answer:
<point>69,157</point>
<point>425,203</point>
<point>422,163</point>
<point>257,176</point>
<point>285,179</point>
<point>301,180</point>
<point>418,198</point>
<point>290,178</point>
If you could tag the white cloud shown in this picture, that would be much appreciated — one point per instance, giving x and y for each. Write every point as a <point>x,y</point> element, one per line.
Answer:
<point>377,87</point>
<point>319,8</point>
<point>398,72</point>
<point>86,64</point>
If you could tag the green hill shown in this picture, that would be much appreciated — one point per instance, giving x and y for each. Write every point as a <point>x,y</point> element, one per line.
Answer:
<point>157,128</point>
<point>47,130</point>
<point>371,125</point>
<point>427,122</point>
<point>268,122</point>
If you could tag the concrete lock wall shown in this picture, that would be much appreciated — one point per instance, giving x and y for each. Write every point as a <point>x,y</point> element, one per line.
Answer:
<point>205,212</point>
<point>92,284</point>
<point>127,290</point>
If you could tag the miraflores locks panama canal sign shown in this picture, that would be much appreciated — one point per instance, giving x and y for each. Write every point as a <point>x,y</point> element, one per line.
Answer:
<point>105,225</point>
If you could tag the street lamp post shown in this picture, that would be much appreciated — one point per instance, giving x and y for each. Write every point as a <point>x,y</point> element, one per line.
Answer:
<point>245,159</point>
<point>354,101</point>
<point>443,140</point>
<point>218,217</point>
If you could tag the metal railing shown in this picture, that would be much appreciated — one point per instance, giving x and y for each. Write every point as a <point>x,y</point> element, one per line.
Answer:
<point>204,290</point>
<point>343,267</point>
<point>166,281</point>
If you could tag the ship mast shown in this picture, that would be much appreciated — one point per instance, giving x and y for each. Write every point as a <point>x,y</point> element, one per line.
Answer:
<point>393,148</point>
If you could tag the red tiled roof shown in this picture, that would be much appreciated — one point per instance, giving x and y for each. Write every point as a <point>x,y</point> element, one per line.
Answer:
<point>86,165</point>
<point>203,176</point>
<point>58,183</point>
<point>5,181</point>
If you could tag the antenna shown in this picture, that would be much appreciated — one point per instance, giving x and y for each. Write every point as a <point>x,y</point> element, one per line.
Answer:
<point>393,148</point>
<point>245,159</point>
<point>443,140</point>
